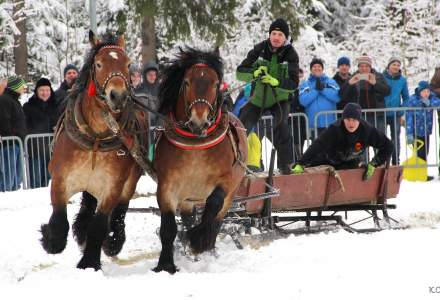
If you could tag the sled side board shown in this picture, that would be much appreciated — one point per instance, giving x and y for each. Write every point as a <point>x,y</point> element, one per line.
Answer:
<point>308,190</point>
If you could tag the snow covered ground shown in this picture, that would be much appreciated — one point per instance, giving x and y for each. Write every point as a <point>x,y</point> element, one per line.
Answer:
<point>392,264</point>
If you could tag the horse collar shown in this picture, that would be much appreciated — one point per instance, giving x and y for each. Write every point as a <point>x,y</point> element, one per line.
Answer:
<point>186,140</point>
<point>180,130</point>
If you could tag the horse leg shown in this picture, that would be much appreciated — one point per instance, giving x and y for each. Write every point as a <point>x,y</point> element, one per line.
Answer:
<point>54,234</point>
<point>96,233</point>
<point>168,232</point>
<point>116,236</point>
<point>202,237</point>
<point>83,218</point>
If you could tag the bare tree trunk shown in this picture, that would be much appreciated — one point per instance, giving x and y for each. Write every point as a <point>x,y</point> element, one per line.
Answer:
<point>20,45</point>
<point>148,39</point>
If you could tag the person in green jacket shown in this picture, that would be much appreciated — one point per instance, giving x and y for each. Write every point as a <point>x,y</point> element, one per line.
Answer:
<point>273,67</point>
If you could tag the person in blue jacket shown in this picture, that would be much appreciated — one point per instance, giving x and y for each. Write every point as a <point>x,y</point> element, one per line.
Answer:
<point>399,95</point>
<point>419,122</point>
<point>319,93</point>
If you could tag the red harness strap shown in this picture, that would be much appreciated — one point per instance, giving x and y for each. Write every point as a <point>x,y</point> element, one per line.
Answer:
<point>200,145</point>
<point>186,133</point>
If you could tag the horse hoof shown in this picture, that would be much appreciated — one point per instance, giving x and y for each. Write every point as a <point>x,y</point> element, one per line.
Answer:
<point>113,243</point>
<point>51,242</point>
<point>170,268</point>
<point>87,263</point>
<point>202,237</point>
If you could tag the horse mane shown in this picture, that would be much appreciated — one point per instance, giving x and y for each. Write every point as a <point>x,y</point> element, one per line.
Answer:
<point>83,79</point>
<point>174,73</point>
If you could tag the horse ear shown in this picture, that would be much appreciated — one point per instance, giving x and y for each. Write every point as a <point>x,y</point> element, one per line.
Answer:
<point>121,41</point>
<point>94,41</point>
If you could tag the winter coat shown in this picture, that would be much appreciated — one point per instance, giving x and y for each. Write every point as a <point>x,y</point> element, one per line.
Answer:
<point>419,122</point>
<point>340,81</point>
<point>12,119</point>
<point>282,64</point>
<point>149,92</point>
<point>60,97</point>
<point>365,94</point>
<point>41,116</point>
<point>399,92</point>
<point>315,101</point>
<point>342,149</point>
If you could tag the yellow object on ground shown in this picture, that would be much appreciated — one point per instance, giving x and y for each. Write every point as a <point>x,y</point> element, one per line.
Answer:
<point>254,150</point>
<point>410,171</point>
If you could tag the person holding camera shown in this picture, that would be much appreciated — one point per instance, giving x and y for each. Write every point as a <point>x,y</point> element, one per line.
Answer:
<point>319,93</point>
<point>368,88</point>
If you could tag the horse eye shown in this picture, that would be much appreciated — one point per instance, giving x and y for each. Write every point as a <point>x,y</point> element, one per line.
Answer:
<point>98,65</point>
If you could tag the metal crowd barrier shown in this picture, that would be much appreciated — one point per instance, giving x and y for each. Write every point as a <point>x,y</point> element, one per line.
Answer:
<point>388,120</point>
<point>298,130</point>
<point>38,154</point>
<point>12,164</point>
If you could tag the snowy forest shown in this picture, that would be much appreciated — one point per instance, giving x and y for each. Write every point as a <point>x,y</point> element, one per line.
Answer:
<point>38,38</point>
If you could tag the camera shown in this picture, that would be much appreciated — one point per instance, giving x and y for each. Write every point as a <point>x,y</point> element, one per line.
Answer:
<point>364,76</point>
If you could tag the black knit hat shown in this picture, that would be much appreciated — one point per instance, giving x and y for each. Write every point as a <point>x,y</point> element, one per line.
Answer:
<point>280,25</point>
<point>352,110</point>
<point>70,67</point>
<point>317,61</point>
<point>42,82</point>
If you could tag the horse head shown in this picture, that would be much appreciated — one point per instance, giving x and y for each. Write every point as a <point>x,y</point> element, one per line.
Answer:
<point>200,93</point>
<point>190,89</point>
<point>109,73</point>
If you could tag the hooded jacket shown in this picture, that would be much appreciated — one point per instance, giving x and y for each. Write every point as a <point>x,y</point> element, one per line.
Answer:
<point>12,119</point>
<point>399,92</point>
<point>419,122</point>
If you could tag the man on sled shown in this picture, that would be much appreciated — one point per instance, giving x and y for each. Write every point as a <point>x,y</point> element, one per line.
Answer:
<point>344,143</point>
<point>272,67</point>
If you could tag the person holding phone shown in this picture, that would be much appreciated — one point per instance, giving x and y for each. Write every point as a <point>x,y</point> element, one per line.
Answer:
<point>368,88</point>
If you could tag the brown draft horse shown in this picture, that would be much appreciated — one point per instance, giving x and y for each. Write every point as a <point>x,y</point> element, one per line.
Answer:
<point>197,158</point>
<point>89,158</point>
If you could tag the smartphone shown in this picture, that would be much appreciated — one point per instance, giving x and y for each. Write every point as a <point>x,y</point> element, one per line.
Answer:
<point>364,76</point>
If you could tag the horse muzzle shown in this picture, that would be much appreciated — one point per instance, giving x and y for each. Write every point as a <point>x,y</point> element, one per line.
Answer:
<point>117,100</point>
<point>198,126</point>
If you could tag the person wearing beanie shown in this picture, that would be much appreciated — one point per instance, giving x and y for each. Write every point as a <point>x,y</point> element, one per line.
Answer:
<point>135,78</point>
<point>12,123</point>
<point>345,143</point>
<point>398,96</point>
<point>342,76</point>
<point>148,92</point>
<point>368,88</point>
<point>318,93</point>
<point>70,74</point>
<point>272,67</point>
<point>41,117</point>
<point>419,123</point>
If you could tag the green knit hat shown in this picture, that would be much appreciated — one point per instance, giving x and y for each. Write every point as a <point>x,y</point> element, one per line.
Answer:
<point>15,83</point>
